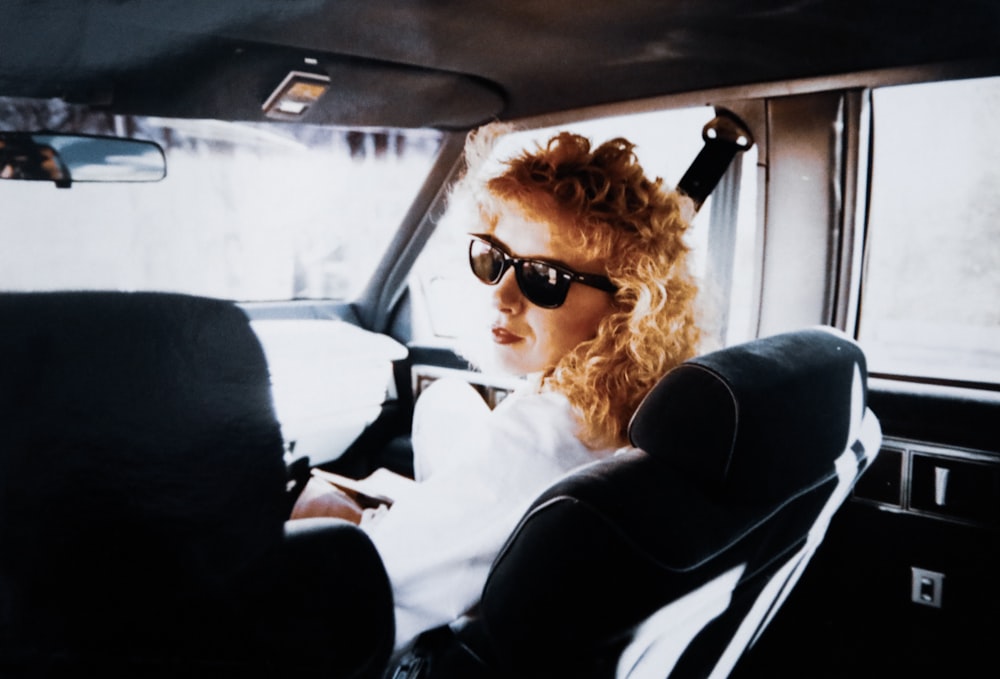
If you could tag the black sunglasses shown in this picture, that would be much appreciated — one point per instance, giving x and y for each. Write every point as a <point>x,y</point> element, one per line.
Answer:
<point>543,283</point>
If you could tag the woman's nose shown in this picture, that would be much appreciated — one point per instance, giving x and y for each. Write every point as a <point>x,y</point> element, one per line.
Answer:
<point>507,295</point>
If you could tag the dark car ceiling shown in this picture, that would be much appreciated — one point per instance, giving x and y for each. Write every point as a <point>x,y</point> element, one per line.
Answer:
<point>454,64</point>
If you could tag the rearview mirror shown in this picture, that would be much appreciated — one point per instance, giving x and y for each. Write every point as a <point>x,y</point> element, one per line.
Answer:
<point>68,158</point>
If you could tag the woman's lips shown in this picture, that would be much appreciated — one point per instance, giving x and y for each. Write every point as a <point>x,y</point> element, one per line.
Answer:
<point>504,336</point>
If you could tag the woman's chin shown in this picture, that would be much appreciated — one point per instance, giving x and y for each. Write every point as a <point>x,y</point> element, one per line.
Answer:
<point>501,361</point>
<point>508,359</point>
<point>492,358</point>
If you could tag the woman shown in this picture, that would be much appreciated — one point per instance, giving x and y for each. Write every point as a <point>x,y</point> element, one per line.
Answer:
<point>590,298</point>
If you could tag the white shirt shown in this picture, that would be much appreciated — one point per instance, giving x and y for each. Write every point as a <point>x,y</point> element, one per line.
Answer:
<point>477,471</point>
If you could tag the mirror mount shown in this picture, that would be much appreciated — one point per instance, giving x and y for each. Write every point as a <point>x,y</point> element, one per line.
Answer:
<point>724,137</point>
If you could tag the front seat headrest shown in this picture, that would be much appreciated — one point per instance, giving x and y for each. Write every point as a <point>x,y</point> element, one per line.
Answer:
<point>737,421</point>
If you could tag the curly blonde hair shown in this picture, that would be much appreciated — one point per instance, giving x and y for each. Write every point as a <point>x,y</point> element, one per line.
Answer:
<point>630,222</point>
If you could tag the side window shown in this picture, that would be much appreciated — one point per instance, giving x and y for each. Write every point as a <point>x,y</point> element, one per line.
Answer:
<point>931,297</point>
<point>666,142</point>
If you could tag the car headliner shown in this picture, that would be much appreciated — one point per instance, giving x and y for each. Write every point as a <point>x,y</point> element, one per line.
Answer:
<point>454,64</point>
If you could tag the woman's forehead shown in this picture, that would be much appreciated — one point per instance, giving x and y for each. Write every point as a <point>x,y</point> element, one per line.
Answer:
<point>528,234</point>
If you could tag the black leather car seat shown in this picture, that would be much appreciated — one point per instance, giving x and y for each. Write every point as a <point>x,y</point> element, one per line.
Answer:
<point>669,559</point>
<point>143,503</point>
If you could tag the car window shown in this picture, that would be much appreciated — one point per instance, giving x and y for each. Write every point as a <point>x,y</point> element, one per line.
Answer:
<point>246,211</point>
<point>931,301</point>
<point>666,143</point>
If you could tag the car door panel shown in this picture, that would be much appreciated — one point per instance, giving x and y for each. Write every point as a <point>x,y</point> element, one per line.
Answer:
<point>904,584</point>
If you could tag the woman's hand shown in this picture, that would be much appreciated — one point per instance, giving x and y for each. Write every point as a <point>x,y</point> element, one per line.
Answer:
<point>320,498</point>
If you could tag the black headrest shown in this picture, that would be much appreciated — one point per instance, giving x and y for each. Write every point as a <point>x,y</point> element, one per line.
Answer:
<point>141,463</point>
<point>740,420</point>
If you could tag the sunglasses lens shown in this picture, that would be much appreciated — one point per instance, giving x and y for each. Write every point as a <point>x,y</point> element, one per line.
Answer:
<point>542,284</point>
<point>486,261</point>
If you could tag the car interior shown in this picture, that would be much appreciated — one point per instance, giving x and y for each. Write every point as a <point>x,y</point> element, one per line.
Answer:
<point>232,258</point>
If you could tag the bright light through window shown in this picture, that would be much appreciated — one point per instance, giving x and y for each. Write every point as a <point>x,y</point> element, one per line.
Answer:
<point>246,212</point>
<point>932,284</point>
